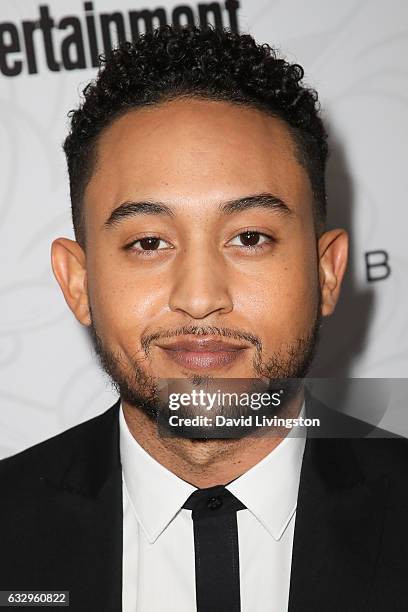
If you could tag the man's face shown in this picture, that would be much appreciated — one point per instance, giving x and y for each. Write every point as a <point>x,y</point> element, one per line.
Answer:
<point>214,242</point>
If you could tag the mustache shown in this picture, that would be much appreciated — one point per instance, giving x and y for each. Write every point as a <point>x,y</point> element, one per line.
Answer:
<point>199,330</point>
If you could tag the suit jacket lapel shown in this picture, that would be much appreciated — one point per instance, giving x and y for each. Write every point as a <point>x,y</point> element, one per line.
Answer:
<point>82,522</point>
<point>337,530</point>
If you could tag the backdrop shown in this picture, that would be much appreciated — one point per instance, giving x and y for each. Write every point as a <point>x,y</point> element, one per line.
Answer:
<point>353,52</point>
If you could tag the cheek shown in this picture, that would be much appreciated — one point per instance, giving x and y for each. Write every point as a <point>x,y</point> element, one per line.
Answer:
<point>281,305</point>
<point>121,304</point>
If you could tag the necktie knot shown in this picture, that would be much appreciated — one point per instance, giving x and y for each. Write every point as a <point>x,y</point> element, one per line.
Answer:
<point>212,501</point>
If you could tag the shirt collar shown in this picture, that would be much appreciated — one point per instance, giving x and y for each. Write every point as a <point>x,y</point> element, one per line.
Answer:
<point>269,489</point>
<point>155,493</point>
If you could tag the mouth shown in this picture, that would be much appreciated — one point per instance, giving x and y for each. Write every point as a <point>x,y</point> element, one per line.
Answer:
<point>203,353</point>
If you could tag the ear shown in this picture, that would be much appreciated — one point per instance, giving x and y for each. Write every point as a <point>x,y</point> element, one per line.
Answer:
<point>69,266</point>
<point>333,252</point>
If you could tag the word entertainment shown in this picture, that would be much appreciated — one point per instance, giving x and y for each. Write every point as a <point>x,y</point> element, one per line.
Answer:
<point>252,420</point>
<point>75,42</point>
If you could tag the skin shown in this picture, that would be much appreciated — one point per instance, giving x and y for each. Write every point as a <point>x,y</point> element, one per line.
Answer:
<point>194,155</point>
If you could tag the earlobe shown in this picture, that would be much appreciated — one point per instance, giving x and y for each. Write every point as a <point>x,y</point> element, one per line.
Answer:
<point>333,253</point>
<point>68,262</point>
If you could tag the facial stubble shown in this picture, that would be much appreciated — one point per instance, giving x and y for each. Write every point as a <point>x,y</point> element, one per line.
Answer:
<point>141,390</point>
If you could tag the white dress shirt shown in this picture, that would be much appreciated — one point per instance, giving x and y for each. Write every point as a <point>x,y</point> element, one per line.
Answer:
<point>158,541</point>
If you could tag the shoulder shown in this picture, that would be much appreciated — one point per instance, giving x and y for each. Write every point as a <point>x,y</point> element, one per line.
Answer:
<point>382,456</point>
<point>369,449</point>
<point>56,451</point>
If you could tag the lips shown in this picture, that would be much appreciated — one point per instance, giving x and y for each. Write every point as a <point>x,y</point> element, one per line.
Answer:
<point>202,353</point>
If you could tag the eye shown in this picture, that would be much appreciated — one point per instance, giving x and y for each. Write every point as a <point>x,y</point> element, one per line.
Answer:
<point>148,243</point>
<point>251,239</point>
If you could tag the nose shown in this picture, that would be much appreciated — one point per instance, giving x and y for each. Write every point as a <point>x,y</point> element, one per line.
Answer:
<point>200,286</point>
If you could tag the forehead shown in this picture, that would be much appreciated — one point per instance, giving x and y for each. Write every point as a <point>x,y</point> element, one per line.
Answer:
<point>192,150</point>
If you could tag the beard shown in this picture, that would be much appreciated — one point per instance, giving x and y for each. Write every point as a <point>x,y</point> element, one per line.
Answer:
<point>284,370</point>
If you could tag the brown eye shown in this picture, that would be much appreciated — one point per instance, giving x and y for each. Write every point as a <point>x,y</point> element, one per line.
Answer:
<point>151,243</point>
<point>148,245</point>
<point>249,238</point>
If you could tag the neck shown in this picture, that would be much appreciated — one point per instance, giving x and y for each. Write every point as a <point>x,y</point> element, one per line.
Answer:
<point>203,463</point>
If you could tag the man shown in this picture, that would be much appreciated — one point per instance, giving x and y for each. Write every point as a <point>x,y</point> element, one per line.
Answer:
<point>196,165</point>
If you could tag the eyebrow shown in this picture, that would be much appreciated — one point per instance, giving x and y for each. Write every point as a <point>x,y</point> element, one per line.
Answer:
<point>261,200</point>
<point>132,209</point>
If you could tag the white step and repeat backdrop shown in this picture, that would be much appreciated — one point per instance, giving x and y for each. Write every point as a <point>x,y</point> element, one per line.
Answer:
<point>354,52</point>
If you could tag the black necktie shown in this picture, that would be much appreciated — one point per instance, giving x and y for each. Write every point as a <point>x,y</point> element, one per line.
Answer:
<point>214,513</point>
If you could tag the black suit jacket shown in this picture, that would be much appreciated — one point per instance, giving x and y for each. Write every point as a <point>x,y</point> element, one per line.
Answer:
<point>61,521</point>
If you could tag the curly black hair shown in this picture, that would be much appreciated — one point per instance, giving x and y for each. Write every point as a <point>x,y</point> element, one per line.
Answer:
<point>208,63</point>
